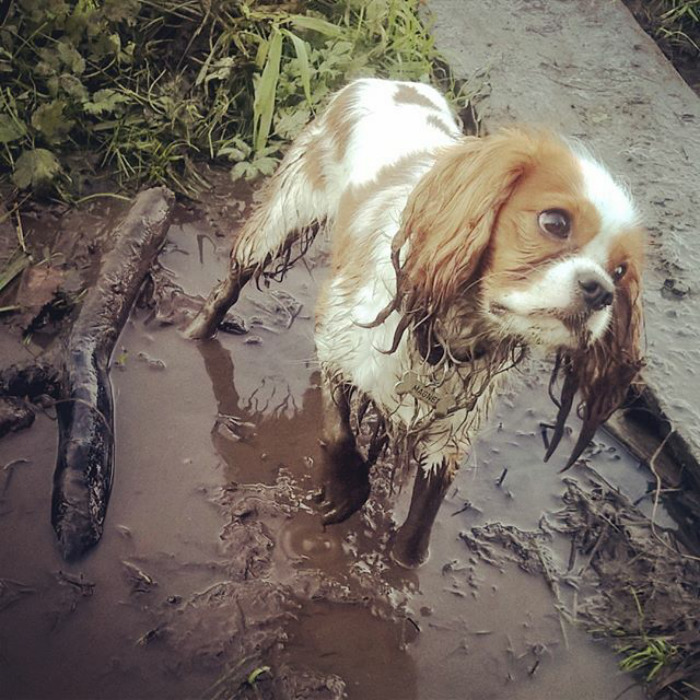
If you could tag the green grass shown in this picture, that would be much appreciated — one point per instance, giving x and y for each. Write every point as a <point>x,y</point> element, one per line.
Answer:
<point>676,23</point>
<point>650,659</point>
<point>139,91</point>
<point>646,653</point>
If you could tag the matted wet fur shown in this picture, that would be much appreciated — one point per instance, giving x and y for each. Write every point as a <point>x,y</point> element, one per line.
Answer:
<point>452,258</point>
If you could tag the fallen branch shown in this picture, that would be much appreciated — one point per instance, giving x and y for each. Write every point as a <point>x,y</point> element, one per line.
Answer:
<point>85,461</point>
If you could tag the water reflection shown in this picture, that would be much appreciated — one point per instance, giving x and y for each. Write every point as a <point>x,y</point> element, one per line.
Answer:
<point>347,627</point>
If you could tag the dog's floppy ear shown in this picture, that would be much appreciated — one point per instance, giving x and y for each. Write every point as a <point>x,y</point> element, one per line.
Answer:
<point>449,218</point>
<point>603,371</point>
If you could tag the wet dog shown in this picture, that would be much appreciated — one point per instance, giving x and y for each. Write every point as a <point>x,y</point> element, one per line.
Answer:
<point>452,257</point>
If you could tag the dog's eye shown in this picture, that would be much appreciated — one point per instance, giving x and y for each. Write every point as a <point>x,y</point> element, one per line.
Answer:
<point>619,272</point>
<point>555,222</point>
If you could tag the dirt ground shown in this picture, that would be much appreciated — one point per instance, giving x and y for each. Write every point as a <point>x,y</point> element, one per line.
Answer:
<point>215,578</point>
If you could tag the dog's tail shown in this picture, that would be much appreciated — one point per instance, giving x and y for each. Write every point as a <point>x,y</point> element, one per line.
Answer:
<point>293,205</point>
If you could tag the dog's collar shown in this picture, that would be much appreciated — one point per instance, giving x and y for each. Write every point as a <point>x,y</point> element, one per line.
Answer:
<point>432,351</point>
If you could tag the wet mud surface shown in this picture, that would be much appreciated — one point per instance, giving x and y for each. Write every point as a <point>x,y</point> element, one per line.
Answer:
<point>215,577</point>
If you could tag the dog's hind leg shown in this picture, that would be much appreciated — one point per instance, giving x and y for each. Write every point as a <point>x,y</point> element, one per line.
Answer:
<point>345,473</point>
<point>293,205</point>
<point>222,297</point>
<point>412,542</point>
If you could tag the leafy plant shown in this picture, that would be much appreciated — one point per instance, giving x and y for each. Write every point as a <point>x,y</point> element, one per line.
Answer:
<point>646,653</point>
<point>141,89</point>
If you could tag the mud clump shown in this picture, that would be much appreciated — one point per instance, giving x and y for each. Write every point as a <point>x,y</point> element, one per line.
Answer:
<point>237,626</point>
<point>648,589</point>
<point>634,585</point>
<point>15,415</point>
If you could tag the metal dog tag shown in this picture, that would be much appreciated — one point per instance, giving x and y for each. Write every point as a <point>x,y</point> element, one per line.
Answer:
<point>412,384</point>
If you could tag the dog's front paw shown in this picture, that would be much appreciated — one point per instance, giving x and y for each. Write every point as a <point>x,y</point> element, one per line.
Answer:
<point>410,548</point>
<point>346,485</point>
<point>339,500</point>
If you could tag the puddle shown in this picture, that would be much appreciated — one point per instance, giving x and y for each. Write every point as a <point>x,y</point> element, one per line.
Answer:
<point>213,562</point>
<point>350,642</point>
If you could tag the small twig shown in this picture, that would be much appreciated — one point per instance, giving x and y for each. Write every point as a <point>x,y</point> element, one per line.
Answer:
<point>657,496</point>
<point>414,623</point>
<point>572,555</point>
<point>13,463</point>
<point>626,690</point>
<point>17,207</point>
<point>97,195</point>
<point>10,469</point>
<point>596,546</point>
<point>20,232</point>
<point>467,505</point>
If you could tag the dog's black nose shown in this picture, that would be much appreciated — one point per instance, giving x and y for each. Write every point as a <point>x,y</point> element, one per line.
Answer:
<point>596,291</point>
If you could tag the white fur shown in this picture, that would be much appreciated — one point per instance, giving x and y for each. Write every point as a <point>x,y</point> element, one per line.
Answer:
<point>553,289</point>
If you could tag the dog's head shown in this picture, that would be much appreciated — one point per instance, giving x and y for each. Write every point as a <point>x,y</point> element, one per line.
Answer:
<point>549,246</point>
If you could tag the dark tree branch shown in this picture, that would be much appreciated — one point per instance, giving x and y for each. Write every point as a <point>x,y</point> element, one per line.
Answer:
<point>85,460</point>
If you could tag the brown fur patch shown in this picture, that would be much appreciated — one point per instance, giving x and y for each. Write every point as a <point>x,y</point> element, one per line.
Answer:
<point>350,244</point>
<point>628,249</point>
<point>408,95</point>
<point>438,123</point>
<point>313,163</point>
<point>339,120</point>
<point>551,179</point>
<point>451,215</point>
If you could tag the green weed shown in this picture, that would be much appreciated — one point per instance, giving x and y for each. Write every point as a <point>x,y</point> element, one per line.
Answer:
<point>680,24</point>
<point>646,653</point>
<point>256,673</point>
<point>674,23</point>
<point>651,659</point>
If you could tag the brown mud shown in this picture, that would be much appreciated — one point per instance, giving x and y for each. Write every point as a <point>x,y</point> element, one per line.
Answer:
<point>215,577</point>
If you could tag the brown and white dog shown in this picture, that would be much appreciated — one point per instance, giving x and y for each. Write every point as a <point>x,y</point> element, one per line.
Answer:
<point>452,257</point>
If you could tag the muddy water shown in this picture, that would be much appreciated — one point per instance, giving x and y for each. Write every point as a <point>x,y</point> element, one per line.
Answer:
<point>213,562</point>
